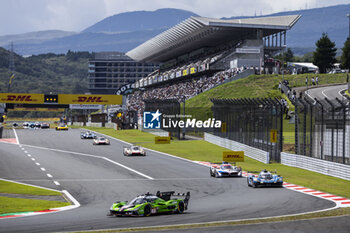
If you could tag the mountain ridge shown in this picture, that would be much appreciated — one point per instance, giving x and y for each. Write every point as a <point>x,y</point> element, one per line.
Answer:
<point>124,31</point>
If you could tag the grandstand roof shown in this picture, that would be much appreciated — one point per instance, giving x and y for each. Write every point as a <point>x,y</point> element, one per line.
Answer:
<point>198,32</point>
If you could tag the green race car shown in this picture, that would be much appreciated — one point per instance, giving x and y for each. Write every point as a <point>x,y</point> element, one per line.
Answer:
<point>147,204</point>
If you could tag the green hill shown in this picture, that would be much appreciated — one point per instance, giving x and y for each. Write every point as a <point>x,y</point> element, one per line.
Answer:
<point>258,86</point>
<point>62,73</point>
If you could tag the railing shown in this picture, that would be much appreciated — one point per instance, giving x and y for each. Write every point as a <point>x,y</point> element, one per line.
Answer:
<point>249,151</point>
<point>316,165</point>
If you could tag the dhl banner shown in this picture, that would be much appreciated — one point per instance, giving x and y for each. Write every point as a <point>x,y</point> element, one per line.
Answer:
<point>21,98</point>
<point>193,70</point>
<point>162,140</point>
<point>89,99</point>
<point>28,98</point>
<point>38,109</point>
<point>233,156</point>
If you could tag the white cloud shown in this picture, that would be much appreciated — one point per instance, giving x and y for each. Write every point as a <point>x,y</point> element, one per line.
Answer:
<point>19,16</point>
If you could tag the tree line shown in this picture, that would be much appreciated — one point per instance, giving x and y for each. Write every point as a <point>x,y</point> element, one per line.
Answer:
<point>324,56</point>
<point>45,73</point>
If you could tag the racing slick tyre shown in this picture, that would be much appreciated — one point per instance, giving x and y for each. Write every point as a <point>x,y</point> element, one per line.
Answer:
<point>217,175</point>
<point>211,173</point>
<point>180,207</point>
<point>248,182</point>
<point>147,210</point>
<point>254,185</point>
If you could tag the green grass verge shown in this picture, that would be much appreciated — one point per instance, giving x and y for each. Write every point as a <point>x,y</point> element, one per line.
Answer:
<point>11,205</point>
<point>319,215</point>
<point>10,187</point>
<point>205,151</point>
<point>261,86</point>
<point>15,205</point>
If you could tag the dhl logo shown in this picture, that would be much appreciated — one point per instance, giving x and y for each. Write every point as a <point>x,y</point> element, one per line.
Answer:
<point>20,98</point>
<point>233,156</point>
<point>85,99</point>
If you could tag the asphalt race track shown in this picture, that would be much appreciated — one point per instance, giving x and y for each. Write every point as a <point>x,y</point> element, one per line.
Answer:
<point>98,175</point>
<point>329,92</point>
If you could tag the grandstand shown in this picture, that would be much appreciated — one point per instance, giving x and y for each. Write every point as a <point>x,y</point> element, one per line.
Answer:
<point>200,53</point>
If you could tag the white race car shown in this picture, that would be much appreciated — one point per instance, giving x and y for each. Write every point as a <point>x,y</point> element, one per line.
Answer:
<point>101,141</point>
<point>225,170</point>
<point>134,150</point>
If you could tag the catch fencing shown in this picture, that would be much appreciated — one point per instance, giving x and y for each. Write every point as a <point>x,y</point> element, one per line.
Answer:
<point>322,129</point>
<point>253,122</point>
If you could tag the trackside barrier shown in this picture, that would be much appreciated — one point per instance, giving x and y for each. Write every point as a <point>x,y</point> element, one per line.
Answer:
<point>157,132</point>
<point>251,152</point>
<point>316,165</point>
<point>94,124</point>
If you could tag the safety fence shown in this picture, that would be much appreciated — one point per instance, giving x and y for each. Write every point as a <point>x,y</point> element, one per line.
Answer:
<point>322,129</point>
<point>249,151</point>
<point>316,165</point>
<point>255,122</point>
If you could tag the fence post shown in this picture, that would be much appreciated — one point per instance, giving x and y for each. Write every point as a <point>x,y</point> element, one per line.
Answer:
<point>322,126</point>
<point>344,126</point>
<point>330,103</point>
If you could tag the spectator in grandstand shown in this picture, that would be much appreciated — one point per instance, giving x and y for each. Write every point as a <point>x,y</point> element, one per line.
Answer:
<point>179,90</point>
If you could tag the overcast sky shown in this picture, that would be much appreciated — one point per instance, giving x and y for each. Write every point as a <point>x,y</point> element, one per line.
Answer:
<point>20,16</point>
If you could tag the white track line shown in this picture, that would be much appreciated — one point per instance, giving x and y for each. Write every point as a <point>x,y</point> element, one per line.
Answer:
<point>43,169</point>
<point>339,92</point>
<point>33,159</point>
<point>324,93</point>
<point>94,156</point>
<point>49,175</point>
<point>37,164</point>
<point>14,131</point>
<point>56,182</point>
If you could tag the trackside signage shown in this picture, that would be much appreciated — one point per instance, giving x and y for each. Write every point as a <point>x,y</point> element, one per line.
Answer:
<point>22,98</point>
<point>28,98</point>
<point>89,99</point>
<point>162,140</point>
<point>157,120</point>
<point>233,156</point>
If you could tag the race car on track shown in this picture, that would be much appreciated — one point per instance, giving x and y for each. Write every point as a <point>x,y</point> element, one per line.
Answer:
<point>134,150</point>
<point>264,179</point>
<point>148,204</point>
<point>225,170</point>
<point>45,125</point>
<point>101,141</point>
<point>25,125</point>
<point>87,135</point>
<point>62,127</point>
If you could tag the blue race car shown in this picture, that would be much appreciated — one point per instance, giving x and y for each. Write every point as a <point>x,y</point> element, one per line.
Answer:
<point>264,179</point>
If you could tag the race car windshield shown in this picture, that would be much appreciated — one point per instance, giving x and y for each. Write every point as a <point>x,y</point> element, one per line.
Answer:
<point>135,148</point>
<point>137,201</point>
<point>102,139</point>
<point>266,176</point>
<point>226,167</point>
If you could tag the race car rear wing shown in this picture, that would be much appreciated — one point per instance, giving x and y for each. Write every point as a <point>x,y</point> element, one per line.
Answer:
<point>261,171</point>
<point>166,196</point>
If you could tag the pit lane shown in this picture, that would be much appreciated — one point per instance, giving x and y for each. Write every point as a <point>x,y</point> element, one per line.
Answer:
<point>95,182</point>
